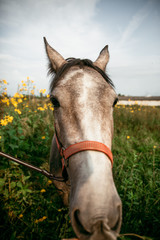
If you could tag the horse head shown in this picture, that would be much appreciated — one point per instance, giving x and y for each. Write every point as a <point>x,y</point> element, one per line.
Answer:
<point>84,97</point>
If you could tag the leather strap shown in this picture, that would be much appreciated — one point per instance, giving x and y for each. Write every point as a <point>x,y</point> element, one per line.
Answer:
<point>83,146</point>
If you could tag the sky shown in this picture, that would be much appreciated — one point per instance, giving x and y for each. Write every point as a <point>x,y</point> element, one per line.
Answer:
<point>81,28</point>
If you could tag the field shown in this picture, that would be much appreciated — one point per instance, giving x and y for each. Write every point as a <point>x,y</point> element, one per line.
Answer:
<point>30,205</point>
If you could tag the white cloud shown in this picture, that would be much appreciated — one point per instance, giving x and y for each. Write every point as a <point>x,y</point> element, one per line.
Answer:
<point>135,22</point>
<point>74,28</point>
<point>68,25</point>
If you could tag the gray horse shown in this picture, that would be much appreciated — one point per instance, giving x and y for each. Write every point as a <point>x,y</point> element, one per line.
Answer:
<point>83,97</point>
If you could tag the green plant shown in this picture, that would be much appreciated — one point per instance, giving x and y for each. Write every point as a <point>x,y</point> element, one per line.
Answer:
<point>30,205</point>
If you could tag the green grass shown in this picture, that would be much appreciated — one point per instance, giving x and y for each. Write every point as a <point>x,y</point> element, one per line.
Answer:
<point>136,150</point>
<point>30,205</point>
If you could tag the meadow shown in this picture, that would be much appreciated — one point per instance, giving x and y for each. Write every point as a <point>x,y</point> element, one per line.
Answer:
<point>30,207</point>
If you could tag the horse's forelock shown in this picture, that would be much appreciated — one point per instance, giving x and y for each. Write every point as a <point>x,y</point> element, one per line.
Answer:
<point>75,62</point>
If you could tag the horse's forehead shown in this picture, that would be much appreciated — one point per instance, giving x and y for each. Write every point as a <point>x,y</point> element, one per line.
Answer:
<point>77,79</point>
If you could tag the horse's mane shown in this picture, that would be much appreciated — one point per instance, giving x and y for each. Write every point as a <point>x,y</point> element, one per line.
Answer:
<point>75,62</point>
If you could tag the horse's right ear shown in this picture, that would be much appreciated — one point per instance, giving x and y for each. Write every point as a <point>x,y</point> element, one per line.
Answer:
<point>54,57</point>
<point>102,59</point>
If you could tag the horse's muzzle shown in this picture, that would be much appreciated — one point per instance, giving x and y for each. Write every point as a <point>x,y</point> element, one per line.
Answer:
<point>99,227</point>
<point>95,206</point>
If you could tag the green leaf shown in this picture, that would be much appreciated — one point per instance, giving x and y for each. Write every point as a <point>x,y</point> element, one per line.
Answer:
<point>26,177</point>
<point>2,182</point>
<point>13,184</point>
<point>19,184</point>
<point>6,193</point>
<point>13,146</point>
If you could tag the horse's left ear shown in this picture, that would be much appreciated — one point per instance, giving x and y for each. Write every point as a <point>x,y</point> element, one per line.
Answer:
<point>54,57</point>
<point>102,59</point>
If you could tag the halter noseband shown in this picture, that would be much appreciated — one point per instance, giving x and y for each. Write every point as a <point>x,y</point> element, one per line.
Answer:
<point>66,153</point>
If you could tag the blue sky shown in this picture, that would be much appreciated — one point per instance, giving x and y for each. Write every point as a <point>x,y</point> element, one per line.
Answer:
<point>81,29</point>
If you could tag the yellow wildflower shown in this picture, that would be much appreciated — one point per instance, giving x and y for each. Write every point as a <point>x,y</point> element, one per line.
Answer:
<point>13,101</point>
<point>14,104</point>
<point>42,91</point>
<point>19,100</point>
<point>40,219</point>
<point>0,137</point>
<point>17,95</point>
<point>45,106</point>
<point>43,137</point>
<point>5,100</point>
<point>154,147</point>
<point>48,95</point>
<point>21,216</point>
<point>6,120</point>
<point>43,190</point>
<point>4,81</point>
<point>3,122</point>
<point>17,110</point>
<point>27,78</point>
<point>32,92</point>
<point>128,137</point>
<point>9,119</point>
<point>40,108</point>
<point>49,182</point>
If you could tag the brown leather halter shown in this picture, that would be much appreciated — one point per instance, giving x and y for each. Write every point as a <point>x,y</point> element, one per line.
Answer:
<point>66,153</point>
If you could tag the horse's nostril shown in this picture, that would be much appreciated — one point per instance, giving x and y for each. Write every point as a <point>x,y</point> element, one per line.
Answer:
<point>117,225</point>
<point>78,224</point>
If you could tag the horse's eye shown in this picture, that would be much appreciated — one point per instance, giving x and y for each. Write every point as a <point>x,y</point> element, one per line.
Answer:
<point>55,102</point>
<point>115,102</point>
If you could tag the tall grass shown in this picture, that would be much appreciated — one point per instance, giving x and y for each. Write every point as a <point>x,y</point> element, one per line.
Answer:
<point>30,205</point>
<point>136,149</point>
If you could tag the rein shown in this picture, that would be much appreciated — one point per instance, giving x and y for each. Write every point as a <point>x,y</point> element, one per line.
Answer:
<point>42,171</point>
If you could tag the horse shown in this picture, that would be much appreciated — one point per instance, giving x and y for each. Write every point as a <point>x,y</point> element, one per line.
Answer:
<point>84,97</point>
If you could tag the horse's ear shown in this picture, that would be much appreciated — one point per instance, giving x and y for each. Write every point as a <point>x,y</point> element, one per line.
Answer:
<point>54,57</point>
<point>102,59</point>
